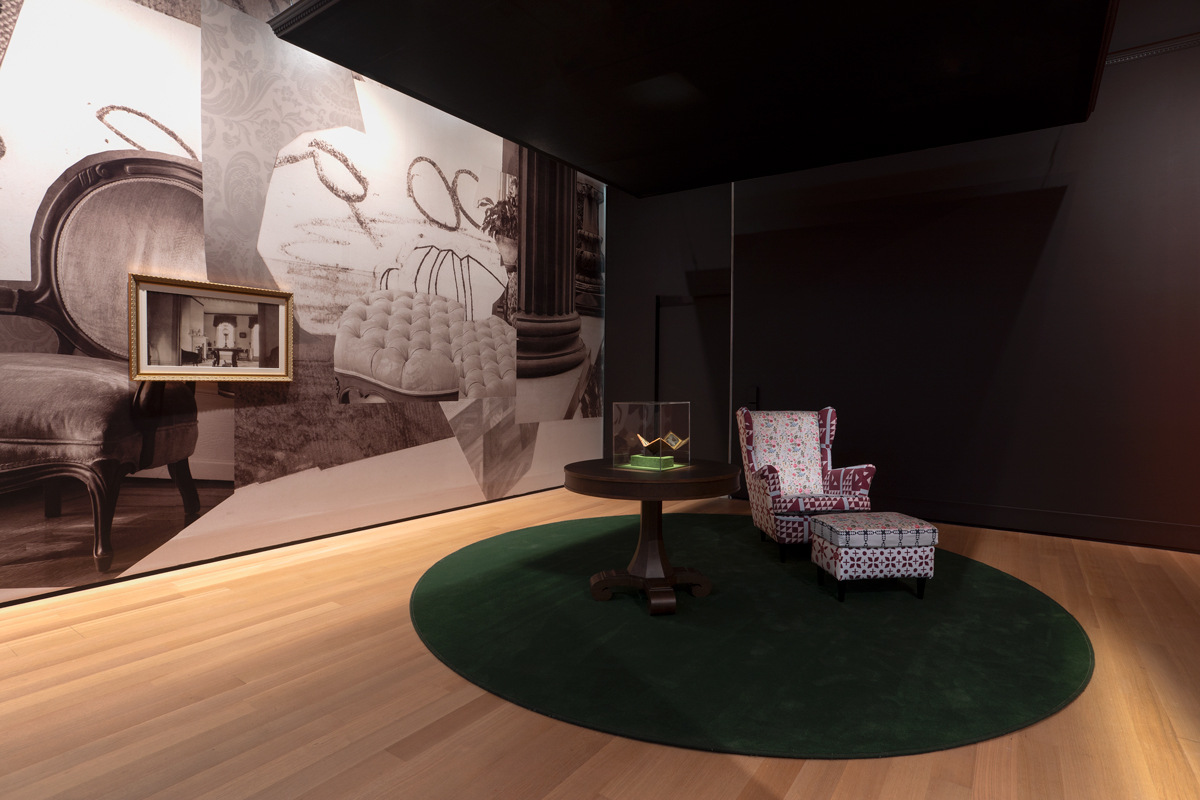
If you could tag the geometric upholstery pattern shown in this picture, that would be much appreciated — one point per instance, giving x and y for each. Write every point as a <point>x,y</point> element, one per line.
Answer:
<point>423,345</point>
<point>808,503</point>
<point>785,516</point>
<point>880,529</point>
<point>853,563</point>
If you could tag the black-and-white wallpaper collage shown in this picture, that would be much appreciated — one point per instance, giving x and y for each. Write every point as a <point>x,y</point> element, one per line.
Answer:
<point>181,138</point>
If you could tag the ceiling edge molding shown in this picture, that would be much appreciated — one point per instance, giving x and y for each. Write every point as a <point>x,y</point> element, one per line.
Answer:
<point>1155,49</point>
<point>1110,22</point>
<point>297,14</point>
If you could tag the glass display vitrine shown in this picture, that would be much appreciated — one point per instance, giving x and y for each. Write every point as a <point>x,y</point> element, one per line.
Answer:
<point>652,436</point>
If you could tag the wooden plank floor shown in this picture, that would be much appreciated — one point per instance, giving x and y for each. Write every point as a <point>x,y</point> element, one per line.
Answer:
<point>296,673</point>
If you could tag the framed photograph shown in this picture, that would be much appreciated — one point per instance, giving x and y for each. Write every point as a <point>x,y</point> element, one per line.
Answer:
<point>197,331</point>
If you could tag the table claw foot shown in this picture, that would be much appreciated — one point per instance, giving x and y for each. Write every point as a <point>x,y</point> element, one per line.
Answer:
<point>700,585</point>
<point>662,600</point>
<point>602,582</point>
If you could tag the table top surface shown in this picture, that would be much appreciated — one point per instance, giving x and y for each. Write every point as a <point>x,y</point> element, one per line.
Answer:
<point>600,478</point>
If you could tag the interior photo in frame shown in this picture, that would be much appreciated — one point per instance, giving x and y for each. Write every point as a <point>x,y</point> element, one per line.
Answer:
<point>198,331</point>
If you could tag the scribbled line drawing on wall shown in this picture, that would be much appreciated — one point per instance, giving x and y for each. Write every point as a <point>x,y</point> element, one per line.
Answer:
<point>426,278</point>
<point>2,148</point>
<point>103,113</point>
<point>351,199</point>
<point>451,187</point>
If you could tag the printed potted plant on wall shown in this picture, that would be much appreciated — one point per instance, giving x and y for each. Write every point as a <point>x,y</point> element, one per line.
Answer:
<point>500,222</point>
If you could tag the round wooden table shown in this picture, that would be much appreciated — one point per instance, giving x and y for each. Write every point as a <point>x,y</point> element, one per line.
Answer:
<point>650,570</point>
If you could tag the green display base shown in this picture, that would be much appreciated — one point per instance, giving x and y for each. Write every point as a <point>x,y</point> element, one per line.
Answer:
<point>652,462</point>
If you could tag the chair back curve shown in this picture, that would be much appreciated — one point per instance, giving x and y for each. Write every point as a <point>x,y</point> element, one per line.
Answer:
<point>797,444</point>
<point>107,215</point>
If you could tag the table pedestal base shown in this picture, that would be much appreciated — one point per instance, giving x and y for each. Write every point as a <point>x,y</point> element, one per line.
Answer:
<point>650,570</point>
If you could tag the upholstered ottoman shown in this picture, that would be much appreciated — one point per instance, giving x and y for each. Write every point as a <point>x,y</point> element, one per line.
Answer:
<point>873,544</point>
<point>400,345</point>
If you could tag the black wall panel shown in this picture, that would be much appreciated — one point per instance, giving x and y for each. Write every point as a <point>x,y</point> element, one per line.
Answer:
<point>667,260</point>
<point>1009,329</point>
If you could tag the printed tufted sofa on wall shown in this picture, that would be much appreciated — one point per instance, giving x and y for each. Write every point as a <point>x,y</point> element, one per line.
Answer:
<point>400,345</point>
<point>75,413</point>
<point>788,463</point>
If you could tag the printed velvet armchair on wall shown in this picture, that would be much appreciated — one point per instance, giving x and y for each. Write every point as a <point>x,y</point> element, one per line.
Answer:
<point>790,474</point>
<point>74,413</point>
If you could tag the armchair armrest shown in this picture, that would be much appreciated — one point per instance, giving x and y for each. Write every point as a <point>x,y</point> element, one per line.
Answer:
<point>850,480</point>
<point>763,487</point>
<point>770,478</point>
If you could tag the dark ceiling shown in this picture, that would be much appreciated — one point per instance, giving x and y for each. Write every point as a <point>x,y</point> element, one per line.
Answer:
<point>656,96</point>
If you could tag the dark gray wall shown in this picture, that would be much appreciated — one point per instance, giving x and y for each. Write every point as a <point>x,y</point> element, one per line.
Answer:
<point>1142,22</point>
<point>1009,329</point>
<point>675,248</point>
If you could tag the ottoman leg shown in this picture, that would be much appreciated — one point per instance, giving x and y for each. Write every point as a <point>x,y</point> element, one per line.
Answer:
<point>820,576</point>
<point>841,591</point>
<point>920,588</point>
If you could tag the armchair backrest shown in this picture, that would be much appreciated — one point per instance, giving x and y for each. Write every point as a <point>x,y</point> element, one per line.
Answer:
<point>108,214</point>
<point>797,443</point>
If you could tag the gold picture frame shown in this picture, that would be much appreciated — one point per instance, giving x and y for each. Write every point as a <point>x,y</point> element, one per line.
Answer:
<point>181,330</point>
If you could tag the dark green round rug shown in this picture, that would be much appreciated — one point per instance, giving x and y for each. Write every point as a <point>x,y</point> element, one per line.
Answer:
<point>769,664</point>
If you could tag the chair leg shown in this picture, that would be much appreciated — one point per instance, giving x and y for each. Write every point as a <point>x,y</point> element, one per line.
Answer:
<point>104,485</point>
<point>920,588</point>
<point>181,473</point>
<point>52,496</point>
<point>782,553</point>
<point>820,576</point>
<point>762,536</point>
<point>841,587</point>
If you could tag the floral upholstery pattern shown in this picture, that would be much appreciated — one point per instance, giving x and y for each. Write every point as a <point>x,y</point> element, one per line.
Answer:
<point>874,530</point>
<point>853,563</point>
<point>783,515</point>
<point>790,441</point>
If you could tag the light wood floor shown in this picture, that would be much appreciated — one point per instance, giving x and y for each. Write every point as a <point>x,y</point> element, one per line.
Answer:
<point>296,673</point>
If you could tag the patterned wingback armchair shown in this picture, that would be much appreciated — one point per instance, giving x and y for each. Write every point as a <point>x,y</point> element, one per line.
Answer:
<point>790,474</point>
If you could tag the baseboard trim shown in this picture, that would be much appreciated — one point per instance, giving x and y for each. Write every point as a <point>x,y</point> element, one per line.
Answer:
<point>227,556</point>
<point>1094,527</point>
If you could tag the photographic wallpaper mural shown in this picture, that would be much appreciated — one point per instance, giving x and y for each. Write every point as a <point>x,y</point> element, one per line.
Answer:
<point>448,289</point>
